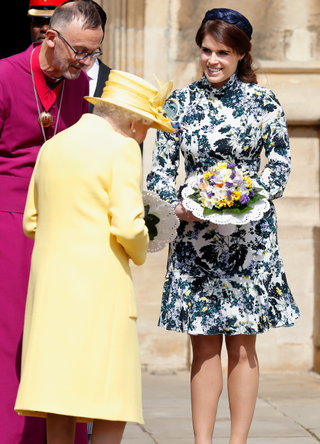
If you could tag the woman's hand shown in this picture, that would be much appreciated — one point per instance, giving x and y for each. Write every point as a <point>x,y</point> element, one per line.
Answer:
<point>185,215</point>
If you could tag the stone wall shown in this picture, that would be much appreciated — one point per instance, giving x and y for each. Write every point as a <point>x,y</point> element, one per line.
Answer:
<point>158,38</point>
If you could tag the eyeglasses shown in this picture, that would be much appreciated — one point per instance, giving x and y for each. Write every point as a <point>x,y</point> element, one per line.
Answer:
<point>80,55</point>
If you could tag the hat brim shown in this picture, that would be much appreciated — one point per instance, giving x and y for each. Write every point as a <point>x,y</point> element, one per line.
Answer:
<point>45,13</point>
<point>156,124</point>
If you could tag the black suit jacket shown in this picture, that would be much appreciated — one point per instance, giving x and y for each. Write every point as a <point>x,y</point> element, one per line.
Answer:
<point>103,76</point>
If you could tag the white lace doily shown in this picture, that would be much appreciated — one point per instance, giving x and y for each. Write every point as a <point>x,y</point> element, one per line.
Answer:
<point>258,208</point>
<point>167,227</point>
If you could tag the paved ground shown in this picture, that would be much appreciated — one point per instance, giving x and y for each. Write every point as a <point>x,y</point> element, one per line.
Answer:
<point>287,412</point>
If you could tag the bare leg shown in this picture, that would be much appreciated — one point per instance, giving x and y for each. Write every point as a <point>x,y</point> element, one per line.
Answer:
<point>206,385</point>
<point>107,432</point>
<point>60,429</point>
<point>243,382</point>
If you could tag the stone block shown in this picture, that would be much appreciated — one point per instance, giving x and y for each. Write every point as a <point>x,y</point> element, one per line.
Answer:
<point>297,210</point>
<point>316,319</point>
<point>297,251</point>
<point>297,92</point>
<point>304,146</point>
<point>283,357</point>
<point>159,349</point>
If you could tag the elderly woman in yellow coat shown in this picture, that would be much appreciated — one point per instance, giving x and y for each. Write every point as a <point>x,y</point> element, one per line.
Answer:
<point>85,212</point>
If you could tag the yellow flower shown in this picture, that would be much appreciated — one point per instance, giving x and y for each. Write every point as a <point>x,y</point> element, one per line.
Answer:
<point>205,309</point>
<point>247,178</point>
<point>188,292</point>
<point>207,175</point>
<point>203,298</point>
<point>236,195</point>
<point>225,203</point>
<point>278,291</point>
<point>225,285</point>
<point>189,303</point>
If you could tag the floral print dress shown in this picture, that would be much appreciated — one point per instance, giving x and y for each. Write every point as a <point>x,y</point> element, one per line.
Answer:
<point>219,284</point>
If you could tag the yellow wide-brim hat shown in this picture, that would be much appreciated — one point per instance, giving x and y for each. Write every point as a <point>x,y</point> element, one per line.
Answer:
<point>139,96</point>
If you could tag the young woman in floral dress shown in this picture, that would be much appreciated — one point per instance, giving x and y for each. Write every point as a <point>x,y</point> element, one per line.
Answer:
<point>232,286</point>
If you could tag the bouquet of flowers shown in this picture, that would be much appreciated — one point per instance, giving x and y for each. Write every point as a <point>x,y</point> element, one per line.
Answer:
<point>160,220</point>
<point>225,195</point>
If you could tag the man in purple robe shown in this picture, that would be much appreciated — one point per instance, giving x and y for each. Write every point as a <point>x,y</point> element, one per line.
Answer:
<point>41,93</point>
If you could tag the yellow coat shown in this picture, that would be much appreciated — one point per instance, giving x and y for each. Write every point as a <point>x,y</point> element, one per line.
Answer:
<point>84,210</point>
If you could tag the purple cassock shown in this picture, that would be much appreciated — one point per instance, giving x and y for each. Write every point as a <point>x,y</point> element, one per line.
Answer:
<point>20,141</point>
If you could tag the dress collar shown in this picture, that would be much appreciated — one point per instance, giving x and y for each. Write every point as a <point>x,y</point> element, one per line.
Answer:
<point>224,88</point>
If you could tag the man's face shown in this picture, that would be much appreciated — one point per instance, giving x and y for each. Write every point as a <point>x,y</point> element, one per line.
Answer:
<point>64,62</point>
<point>38,28</point>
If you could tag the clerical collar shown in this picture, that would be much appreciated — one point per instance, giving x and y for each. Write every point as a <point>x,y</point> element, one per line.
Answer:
<point>51,82</point>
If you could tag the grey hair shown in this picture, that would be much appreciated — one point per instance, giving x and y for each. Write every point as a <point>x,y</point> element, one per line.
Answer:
<point>76,11</point>
<point>121,115</point>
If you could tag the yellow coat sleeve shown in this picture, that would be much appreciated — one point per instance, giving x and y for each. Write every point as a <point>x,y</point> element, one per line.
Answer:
<point>125,205</point>
<point>30,216</point>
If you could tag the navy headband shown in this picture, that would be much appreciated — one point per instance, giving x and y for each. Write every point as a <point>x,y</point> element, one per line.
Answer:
<point>230,16</point>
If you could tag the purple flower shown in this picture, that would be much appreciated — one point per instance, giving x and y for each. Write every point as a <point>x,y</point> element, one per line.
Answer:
<point>233,174</point>
<point>229,184</point>
<point>228,193</point>
<point>244,199</point>
<point>231,165</point>
<point>210,194</point>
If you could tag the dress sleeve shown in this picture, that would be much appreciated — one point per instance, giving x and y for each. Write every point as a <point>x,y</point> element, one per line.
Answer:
<point>275,175</point>
<point>125,204</point>
<point>165,164</point>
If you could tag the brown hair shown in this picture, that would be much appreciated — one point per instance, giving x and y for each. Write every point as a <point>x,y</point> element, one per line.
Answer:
<point>77,10</point>
<point>236,39</point>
